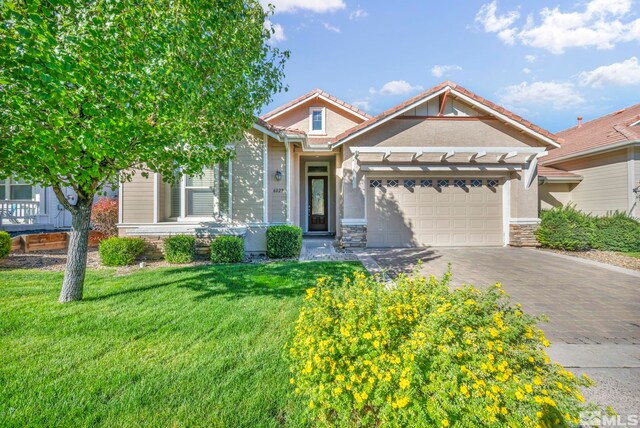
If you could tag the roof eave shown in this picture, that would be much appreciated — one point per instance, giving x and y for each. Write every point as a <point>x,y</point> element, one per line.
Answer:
<point>591,152</point>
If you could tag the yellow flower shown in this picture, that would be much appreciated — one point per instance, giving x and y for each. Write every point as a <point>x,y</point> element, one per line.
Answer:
<point>537,380</point>
<point>292,381</point>
<point>464,389</point>
<point>367,335</point>
<point>340,378</point>
<point>311,405</point>
<point>364,395</point>
<point>445,423</point>
<point>402,402</point>
<point>519,395</point>
<point>528,388</point>
<point>310,292</point>
<point>337,391</point>
<point>404,383</point>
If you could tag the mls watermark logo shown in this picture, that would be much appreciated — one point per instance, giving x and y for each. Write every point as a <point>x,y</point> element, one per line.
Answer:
<point>598,419</point>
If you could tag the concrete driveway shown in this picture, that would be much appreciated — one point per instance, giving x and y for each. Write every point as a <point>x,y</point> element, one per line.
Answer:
<point>593,309</point>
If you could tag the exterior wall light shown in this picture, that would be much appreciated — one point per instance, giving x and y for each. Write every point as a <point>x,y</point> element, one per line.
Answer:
<point>278,175</point>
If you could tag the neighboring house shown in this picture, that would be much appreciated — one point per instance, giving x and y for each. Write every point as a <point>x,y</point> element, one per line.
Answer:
<point>597,168</point>
<point>446,167</point>
<point>24,207</point>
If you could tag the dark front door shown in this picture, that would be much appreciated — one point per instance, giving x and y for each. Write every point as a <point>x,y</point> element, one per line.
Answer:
<point>318,200</point>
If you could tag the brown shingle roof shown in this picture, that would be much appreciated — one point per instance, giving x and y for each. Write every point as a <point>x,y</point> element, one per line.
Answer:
<point>547,171</point>
<point>313,94</point>
<point>435,89</point>
<point>604,131</point>
<point>278,129</point>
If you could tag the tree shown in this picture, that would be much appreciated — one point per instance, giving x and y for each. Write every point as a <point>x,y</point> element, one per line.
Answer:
<point>90,91</point>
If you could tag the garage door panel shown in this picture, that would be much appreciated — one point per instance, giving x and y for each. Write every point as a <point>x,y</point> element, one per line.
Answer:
<point>433,216</point>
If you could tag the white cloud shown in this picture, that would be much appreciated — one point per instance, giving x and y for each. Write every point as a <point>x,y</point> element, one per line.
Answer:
<point>362,104</point>
<point>601,24</point>
<point>618,74</point>
<point>530,58</point>
<point>526,70</point>
<point>396,87</point>
<point>358,14</point>
<point>316,6</point>
<point>331,27</point>
<point>277,34</point>
<point>441,70</point>
<point>558,95</point>
<point>493,23</point>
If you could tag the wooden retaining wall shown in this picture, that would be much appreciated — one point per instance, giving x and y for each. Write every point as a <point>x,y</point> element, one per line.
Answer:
<point>49,241</point>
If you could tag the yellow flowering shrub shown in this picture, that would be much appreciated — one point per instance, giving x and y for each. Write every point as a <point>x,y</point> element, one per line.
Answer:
<point>413,353</point>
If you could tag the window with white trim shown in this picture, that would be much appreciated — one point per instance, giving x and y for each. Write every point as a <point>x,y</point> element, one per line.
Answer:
<point>317,120</point>
<point>203,196</point>
<point>16,189</point>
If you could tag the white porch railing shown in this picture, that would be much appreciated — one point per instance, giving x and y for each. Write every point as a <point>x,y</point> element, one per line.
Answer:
<point>19,212</point>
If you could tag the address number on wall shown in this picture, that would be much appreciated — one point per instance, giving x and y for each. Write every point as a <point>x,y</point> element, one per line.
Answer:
<point>278,190</point>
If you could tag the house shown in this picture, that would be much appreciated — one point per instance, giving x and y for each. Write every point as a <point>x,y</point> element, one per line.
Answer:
<point>25,207</point>
<point>597,168</point>
<point>446,167</point>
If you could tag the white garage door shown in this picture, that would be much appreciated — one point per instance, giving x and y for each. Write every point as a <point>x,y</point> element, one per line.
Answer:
<point>433,211</point>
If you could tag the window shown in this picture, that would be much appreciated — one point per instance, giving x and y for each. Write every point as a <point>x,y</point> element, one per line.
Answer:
<point>459,183</point>
<point>392,183</point>
<point>316,118</point>
<point>492,183</point>
<point>443,183</point>
<point>317,168</point>
<point>426,183</point>
<point>207,195</point>
<point>375,183</point>
<point>476,183</point>
<point>409,184</point>
<point>16,189</point>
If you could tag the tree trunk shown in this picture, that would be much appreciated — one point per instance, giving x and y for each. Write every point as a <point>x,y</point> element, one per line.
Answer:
<point>77,252</point>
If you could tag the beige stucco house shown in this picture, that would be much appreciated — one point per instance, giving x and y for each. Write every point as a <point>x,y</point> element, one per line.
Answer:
<point>445,167</point>
<point>598,166</point>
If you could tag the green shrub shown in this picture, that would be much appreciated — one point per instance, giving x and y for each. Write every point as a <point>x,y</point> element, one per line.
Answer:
<point>120,251</point>
<point>415,353</point>
<point>284,241</point>
<point>227,249</point>
<point>5,245</point>
<point>565,228</point>
<point>179,249</point>
<point>617,232</point>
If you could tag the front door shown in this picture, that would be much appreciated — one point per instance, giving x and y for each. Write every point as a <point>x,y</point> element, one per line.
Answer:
<point>318,200</point>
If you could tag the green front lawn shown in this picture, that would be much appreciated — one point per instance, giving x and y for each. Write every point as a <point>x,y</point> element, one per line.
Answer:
<point>168,347</point>
<point>635,254</point>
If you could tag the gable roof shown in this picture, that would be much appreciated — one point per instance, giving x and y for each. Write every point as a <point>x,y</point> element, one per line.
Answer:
<point>456,90</point>
<point>316,93</point>
<point>276,131</point>
<point>604,132</point>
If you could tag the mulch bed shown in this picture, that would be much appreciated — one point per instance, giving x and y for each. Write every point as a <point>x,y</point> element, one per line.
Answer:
<point>609,257</point>
<point>55,260</point>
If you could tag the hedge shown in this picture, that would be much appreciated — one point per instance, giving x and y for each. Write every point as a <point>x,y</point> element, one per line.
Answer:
<point>227,249</point>
<point>567,228</point>
<point>284,242</point>
<point>120,251</point>
<point>179,249</point>
<point>5,245</point>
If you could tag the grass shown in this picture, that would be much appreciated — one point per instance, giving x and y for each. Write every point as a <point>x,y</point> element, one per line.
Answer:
<point>635,254</point>
<point>199,346</point>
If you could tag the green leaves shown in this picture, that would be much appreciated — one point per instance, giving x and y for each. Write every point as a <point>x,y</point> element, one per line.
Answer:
<point>89,90</point>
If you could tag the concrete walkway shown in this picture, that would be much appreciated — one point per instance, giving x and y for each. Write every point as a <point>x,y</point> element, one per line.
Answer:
<point>323,249</point>
<point>593,309</point>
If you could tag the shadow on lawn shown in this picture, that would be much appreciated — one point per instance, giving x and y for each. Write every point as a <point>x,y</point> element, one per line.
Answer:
<point>276,280</point>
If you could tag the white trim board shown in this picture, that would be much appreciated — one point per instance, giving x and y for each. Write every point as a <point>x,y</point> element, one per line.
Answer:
<point>452,168</point>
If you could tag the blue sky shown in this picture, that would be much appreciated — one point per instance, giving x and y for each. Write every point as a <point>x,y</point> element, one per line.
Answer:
<point>547,61</point>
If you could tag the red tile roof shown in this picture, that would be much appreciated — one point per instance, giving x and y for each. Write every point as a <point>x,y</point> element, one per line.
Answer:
<point>313,94</point>
<point>547,171</point>
<point>604,131</point>
<point>435,89</point>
